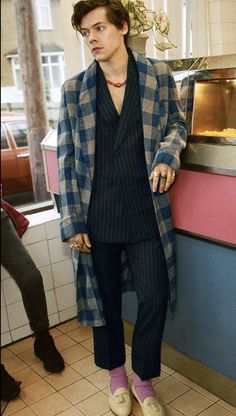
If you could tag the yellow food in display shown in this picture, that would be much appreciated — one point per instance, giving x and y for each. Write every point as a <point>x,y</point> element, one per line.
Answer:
<point>223,133</point>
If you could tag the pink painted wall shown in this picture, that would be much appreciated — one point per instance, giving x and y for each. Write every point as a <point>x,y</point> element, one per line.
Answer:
<point>52,170</point>
<point>205,204</point>
<point>202,203</point>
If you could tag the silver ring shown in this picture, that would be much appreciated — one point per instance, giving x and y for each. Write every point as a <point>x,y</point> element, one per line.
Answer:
<point>71,245</point>
<point>155,174</point>
<point>173,174</point>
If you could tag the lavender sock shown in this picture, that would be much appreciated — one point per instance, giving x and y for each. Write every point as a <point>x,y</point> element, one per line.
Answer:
<point>143,388</point>
<point>118,379</point>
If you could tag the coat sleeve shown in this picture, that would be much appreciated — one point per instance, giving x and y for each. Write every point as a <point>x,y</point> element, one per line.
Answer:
<point>72,221</point>
<point>175,135</point>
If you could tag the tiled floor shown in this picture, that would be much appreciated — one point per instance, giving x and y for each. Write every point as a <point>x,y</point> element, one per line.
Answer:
<point>82,388</point>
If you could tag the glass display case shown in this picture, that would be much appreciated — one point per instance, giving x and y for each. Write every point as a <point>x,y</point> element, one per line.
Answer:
<point>208,95</point>
<point>203,198</point>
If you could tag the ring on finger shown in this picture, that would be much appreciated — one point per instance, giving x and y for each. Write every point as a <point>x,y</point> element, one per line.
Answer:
<point>163,178</point>
<point>173,174</point>
<point>79,245</point>
<point>156,174</point>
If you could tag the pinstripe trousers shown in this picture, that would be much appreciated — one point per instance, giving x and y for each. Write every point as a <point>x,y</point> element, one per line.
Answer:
<point>148,268</point>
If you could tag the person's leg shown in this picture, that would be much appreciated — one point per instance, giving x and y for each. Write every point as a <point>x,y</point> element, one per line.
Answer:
<point>148,267</point>
<point>17,261</point>
<point>109,346</point>
<point>10,388</point>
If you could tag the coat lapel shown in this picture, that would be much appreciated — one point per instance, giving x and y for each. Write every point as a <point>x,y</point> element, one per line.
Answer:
<point>130,106</point>
<point>149,94</point>
<point>87,117</point>
<point>104,101</point>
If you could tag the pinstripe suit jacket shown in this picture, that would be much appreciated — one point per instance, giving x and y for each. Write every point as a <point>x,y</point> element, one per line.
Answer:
<point>164,138</point>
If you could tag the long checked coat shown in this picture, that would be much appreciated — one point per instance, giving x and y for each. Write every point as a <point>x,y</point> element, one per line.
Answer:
<point>164,138</point>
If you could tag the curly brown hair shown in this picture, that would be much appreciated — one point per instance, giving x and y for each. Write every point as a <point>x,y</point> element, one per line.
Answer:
<point>115,12</point>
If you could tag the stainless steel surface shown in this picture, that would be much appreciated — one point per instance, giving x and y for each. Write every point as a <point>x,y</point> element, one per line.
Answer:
<point>209,100</point>
<point>212,158</point>
<point>220,140</point>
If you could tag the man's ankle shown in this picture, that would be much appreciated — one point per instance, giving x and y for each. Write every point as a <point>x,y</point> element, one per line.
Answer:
<point>41,334</point>
<point>118,379</point>
<point>143,388</point>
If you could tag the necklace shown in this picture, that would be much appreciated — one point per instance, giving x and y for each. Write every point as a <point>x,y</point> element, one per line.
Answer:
<point>116,84</point>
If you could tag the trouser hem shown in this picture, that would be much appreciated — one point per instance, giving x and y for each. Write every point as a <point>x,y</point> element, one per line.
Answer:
<point>105,362</point>
<point>145,371</point>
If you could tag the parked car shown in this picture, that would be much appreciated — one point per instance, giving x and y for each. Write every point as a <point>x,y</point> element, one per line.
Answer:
<point>15,164</point>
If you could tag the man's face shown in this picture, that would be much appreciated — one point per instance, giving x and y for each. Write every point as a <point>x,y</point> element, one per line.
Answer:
<point>102,37</point>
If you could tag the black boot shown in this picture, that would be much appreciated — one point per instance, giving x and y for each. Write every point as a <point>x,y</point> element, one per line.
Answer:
<point>45,350</point>
<point>10,388</point>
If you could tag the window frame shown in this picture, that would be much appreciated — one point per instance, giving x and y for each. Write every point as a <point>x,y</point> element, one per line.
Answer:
<point>47,6</point>
<point>49,65</point>
<point>9,126</point>
<point>6,136</point>
<point>60,64</point>
<point>15,67</point>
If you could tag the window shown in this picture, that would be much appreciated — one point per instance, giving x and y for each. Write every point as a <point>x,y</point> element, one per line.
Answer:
<point>53,69</point>
<point>19,132</point>
<point>43,13</point>
<point>4,141</point>
<point>16,72</point>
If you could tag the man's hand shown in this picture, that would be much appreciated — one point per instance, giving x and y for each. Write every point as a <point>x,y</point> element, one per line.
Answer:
<point>80,242</point>
<point>162,175</point>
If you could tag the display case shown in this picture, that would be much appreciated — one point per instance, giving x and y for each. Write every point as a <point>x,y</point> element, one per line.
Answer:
<point>204,195</point>
<point>49,150</point>
<point>210,108</point>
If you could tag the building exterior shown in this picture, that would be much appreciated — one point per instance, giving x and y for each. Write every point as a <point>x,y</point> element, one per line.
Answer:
<point>49,20</point>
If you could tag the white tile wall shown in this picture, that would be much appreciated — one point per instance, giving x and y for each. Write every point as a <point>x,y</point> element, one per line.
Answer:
<point>21,332</point>
<point>46,273</point>
<point>51,302</point>
<point>68,313</point>
<point>16,315</point>
<point>62,272</point>
<point>58,251</point>
<point>3,303</point>
<point>39,253</point>
<point>6,338</point>
<point>34,234</point>
<point>4,320</point>
<point>11,291</point>
<point>53,259</point>
<point>4,273</point>
<point>55,319</point>
<point>52,228</point>
<point>66,296</point>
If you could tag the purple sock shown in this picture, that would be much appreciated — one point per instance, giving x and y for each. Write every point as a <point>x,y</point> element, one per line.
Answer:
<point>118,378</point>
<point>143,388</point>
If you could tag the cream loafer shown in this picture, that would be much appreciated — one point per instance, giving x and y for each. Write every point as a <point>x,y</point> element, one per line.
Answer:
<point>120,402</point>
<point>150,406</point>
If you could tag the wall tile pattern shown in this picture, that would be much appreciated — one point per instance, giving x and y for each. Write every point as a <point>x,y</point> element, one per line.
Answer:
<point>53,259</point>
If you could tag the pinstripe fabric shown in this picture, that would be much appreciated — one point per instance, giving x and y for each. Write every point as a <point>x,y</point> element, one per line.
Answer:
<point>164,138</point>
<point>148,267</point>
<point>121,207</point>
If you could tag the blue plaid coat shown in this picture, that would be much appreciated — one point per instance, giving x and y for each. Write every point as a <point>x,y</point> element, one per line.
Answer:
<point>164,138</point>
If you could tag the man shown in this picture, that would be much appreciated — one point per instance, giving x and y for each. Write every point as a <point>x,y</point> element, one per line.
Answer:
<point>120,134</point>
<point>17,261</point>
